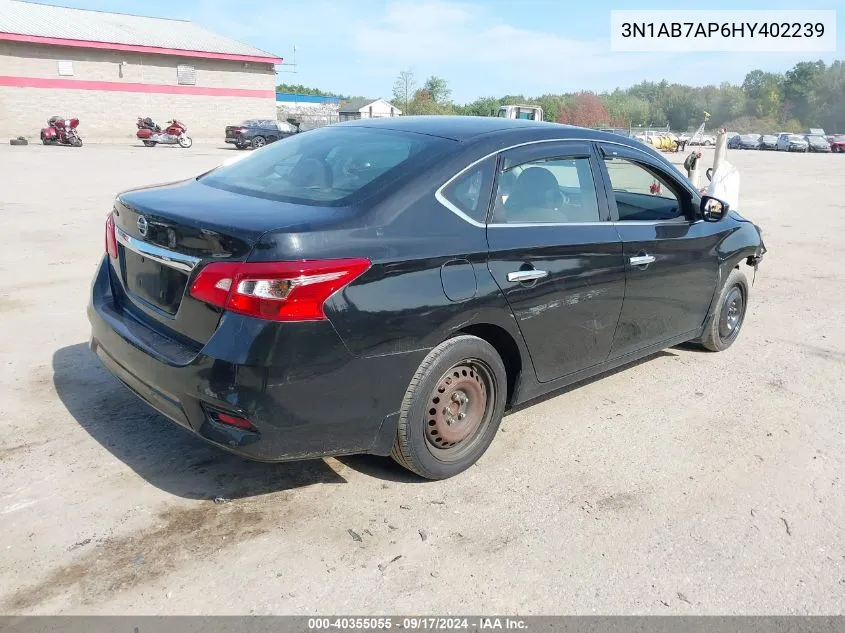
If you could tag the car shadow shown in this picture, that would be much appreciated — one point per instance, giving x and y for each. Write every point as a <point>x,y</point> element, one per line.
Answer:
<point>158,450</point>
<point>387,469</point>
<point>383,468</point>
<point>588,381</point>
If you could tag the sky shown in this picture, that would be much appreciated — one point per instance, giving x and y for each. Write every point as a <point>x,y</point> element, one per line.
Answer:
<point>482,48</point>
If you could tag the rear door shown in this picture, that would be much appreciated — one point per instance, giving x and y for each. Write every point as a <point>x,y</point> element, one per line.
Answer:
<point>556,256</point>
<point>671,256</point>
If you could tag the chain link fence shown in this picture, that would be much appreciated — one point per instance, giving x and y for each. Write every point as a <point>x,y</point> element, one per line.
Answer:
<point>309,118</point>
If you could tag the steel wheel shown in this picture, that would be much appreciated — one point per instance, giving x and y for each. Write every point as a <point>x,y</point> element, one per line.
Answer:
<point>452,408</point>
<point>732,314</point>
<point>459,409</point>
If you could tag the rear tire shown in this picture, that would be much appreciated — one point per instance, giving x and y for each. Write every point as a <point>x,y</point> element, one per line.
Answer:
<point>724,326</point>
<point>149,143</point>
<point>452,408</point>
<point>258,142</point>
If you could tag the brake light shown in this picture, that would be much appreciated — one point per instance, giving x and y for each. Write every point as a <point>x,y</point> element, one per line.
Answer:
<point>111,238</point>
<point>277,291</point>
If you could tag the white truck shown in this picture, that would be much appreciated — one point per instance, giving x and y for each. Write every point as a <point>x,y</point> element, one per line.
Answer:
<point>527,112</point>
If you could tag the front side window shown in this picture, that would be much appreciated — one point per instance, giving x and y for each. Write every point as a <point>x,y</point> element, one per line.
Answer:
<point>328,166</point>
<point>640,193</point>
<point>546,191</point>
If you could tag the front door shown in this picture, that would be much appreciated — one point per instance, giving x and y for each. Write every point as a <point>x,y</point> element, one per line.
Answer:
<point>671,256</point>
<point>556,256</point>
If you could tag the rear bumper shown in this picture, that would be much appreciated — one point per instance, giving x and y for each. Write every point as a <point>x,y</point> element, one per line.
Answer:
<point>306,396</point>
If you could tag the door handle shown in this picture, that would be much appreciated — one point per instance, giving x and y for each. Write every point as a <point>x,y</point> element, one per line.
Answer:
<point>642,260</point>
<point>521,276</point>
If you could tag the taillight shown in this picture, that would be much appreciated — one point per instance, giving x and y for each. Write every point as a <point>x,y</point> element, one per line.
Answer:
<point>277,291</point>
<point>111,238</point>
<point>232,420</point>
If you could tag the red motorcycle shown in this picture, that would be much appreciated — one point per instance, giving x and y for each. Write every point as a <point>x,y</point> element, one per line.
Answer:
<point>151,134</point>
<point>61,131</point>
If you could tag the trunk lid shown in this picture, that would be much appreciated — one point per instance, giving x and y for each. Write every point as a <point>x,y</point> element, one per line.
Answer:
<point>167,233</point>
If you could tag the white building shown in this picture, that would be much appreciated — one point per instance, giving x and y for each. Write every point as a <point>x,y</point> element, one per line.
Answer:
<point>108,69</point>
<point>367,109</point>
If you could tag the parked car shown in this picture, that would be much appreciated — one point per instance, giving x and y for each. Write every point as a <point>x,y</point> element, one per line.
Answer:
<point>769,141</point>
<point>733,141</point>
<point>255,133</point>
<point>792,143</point>
<point>746,141</point>
<point>347,291</point>
<point>705,139</point>
<point>817,143</point>
<point>837,143</point>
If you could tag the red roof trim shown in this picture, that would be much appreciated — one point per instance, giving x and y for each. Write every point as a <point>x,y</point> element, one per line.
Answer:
<point>155,50</point>
<point>118,86</point>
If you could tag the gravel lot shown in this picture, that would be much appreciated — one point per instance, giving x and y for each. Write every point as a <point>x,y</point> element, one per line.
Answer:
<point>691,483</point>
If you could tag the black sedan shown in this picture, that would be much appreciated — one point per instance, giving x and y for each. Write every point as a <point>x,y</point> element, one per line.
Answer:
<point>748,141</point>
<point>255,133</point>
<point>393,286</point>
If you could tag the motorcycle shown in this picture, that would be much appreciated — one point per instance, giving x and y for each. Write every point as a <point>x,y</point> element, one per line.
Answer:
<point>152,134</point>
<point>61,131</point>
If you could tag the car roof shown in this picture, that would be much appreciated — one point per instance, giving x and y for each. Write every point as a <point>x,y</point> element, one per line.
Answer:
<point>462,128</point>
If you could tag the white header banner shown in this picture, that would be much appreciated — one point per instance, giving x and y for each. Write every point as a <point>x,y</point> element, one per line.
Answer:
<point>728,31</point>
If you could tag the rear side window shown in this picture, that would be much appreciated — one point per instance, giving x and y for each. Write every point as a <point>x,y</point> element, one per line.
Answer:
<point>331,166</point>
<point>470,192</point>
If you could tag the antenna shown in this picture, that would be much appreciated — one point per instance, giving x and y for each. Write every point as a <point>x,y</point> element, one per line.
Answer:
<point>291,65</point>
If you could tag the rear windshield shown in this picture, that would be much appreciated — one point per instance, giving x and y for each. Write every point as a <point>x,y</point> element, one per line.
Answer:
<point>332,166</point>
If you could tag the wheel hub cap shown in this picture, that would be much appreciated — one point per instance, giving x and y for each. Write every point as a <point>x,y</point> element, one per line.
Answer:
<point>457,407</point>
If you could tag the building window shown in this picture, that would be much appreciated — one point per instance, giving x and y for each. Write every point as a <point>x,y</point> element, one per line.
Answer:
<point>186,75</point>
<point>65,68</point>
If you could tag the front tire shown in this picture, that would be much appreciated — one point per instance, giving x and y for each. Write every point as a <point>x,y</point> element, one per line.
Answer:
<point>185,142</point>
<point>724,327</point>
<point>452,408</point>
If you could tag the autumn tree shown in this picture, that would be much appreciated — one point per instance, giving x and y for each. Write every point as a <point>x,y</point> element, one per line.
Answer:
<point>586,110</point>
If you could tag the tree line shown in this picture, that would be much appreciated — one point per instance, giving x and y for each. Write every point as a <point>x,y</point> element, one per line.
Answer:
<point>811,94</point>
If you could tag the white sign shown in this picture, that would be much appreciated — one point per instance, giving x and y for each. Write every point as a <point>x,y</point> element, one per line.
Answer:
<point>727,31</point>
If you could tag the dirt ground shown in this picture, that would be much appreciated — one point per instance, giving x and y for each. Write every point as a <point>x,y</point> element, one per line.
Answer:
<point>689,483</point>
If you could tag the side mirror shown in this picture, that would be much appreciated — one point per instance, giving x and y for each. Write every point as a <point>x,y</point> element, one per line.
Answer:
<point>713,209</point>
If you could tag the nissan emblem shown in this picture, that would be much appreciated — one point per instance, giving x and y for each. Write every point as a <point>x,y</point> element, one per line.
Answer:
<point>142,225</point>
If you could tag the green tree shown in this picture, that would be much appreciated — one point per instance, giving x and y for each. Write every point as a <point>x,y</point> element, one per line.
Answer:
<point>438,89</point>
<point>763,92</point>
<point>299,89</point>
